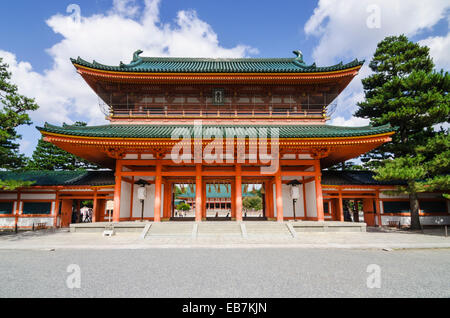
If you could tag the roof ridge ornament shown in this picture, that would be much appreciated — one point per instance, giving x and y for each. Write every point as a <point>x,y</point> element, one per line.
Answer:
<point>136,56</point>
<point>299,55</point>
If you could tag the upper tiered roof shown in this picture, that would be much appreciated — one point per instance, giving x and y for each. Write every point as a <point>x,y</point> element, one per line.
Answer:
<point>220,65</point>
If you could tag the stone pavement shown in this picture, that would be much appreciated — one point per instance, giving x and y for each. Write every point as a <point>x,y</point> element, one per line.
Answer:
<point>373,239</point>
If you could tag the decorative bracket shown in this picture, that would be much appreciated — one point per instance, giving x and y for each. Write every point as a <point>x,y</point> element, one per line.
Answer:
<point>115,153</point>
<point>319,153</point>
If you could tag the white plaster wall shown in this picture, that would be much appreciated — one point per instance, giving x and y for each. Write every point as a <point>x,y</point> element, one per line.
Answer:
<point>288,210</point>
<point>33,196</point>
<point>424,220</point>
<point>125,197</point>
<point>149,202</point>
<point>8,196</point>
<point>311,202</point>
<point>105,190</point>
<point>7,221</point>
<point>30,221</point>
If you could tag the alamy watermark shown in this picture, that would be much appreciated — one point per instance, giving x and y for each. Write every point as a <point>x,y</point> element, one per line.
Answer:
<point>373,21</point>
<point>374,278</point>
<point>215,145</point>
<point>73,281</point>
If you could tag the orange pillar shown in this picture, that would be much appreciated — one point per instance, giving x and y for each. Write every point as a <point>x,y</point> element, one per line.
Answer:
<point>158,182</point>
<point>131,198</point>
<point>238,193</point>
<point>117,191</point>
<point>377,207</point>
<point>269,199</point>
<point>319,196</point>
<point>204,201</point>
<point>94,207</point>
<point>279,195</point>
<point>233,201</point>
<point>55,216</point>
<point>341,207</point>
<point>198,192</point>
<point>17,211</point>
<point>304,198</point>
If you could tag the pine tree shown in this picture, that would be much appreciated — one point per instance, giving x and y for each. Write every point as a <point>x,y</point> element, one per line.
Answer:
<point>13,113</point>
<point>47,156</point>
<point>407,93</point>
<point>14,109</point>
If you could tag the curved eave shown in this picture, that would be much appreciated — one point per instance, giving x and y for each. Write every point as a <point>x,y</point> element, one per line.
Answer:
<point>134,140</point>
<point>210,76</point>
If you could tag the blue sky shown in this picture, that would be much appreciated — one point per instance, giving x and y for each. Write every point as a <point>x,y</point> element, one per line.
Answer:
<point>39,37</point>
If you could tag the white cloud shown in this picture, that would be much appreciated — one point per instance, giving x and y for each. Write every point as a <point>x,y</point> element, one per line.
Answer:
<point>352,122</point>
<point>343,32</point>
<point>108,38</point>
<point>439,50</point>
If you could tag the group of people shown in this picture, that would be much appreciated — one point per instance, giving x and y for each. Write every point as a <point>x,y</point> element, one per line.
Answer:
<point>85,215</point>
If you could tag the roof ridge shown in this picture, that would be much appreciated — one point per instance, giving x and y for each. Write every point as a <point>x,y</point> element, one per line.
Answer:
<point>168,64</point>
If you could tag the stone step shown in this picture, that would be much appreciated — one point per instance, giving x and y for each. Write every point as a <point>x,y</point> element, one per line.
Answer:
<point>267,228</point>
<point>171,229</point>
<point>219,229</point>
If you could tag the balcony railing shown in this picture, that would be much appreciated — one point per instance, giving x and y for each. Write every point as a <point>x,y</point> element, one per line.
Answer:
<point>294,112</point>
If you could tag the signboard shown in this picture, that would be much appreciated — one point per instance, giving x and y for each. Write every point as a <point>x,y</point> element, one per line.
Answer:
<point>218,96</point>
<point>109,205</point>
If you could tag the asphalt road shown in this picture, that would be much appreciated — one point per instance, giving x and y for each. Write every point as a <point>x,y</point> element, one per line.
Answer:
<point>224,273</point>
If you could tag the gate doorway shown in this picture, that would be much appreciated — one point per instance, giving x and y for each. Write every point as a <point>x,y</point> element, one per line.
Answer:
<point>218,200</point>
<point>183,201</point>
<point>253,201</point>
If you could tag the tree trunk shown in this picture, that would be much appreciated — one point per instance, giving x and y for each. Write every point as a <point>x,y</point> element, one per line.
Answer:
<point>414,206</point>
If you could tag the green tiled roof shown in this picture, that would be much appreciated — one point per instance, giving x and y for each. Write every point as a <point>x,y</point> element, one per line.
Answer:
<point>101,178</point>
<point>221,65</point>
<point>351,177</point>
<point>57,178</point>
<point>167,131</point>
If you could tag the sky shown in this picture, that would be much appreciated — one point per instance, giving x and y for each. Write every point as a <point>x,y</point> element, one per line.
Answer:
<point>37,39</point>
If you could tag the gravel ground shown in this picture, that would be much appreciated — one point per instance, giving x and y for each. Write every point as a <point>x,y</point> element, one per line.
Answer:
<point>202,272</point>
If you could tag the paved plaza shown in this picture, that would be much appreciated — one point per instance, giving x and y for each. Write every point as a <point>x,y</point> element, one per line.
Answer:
<point>206,272</point>
<point>372,239</point>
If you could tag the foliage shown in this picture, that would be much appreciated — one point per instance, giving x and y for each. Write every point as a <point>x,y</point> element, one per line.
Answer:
<point>11,185</point>
<point>347,165</point>
<point>13,113</point>
<point>428,170</point>
<point>183,207</point>
<point>252,203</point>
<point>47,156</point>
<point>405,92</point>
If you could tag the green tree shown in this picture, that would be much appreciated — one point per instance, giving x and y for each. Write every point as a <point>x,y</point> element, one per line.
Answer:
<point>14,109</point>
<point>13,113</point>
<point>428,170</point>
<point>252,203</point>
<point>47,156</point>
<point>183,207</point>
<point>407,93</point>
<point>347,165</point>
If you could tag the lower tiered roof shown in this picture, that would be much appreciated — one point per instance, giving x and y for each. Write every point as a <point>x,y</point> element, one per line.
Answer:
<point>167,131</point>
